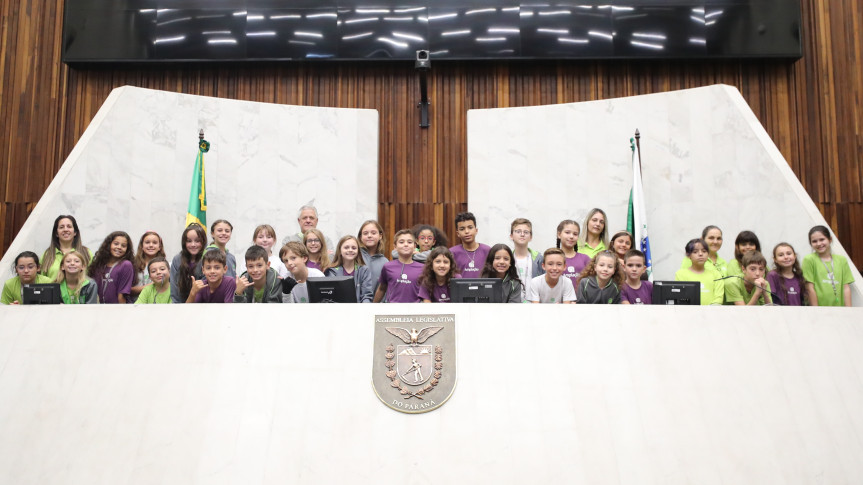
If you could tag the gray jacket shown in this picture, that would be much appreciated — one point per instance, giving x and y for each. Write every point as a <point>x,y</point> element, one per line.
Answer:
<point>512,290</point>
<point>589,291</point>
<point>537,262</point>
<point>88,292</point>
<point>375,264</point>
<point>272,289</point>
<point>362,281</point>
<point>175,280</point>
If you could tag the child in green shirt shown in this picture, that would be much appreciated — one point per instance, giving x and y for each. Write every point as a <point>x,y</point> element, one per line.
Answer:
<point>159,290</point>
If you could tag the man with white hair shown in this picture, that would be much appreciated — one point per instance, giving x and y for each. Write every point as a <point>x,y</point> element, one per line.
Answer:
<point>307,218</point>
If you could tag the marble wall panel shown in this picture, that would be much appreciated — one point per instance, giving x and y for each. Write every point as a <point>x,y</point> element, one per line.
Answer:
<point>706,159</point>
<point>132,168</point>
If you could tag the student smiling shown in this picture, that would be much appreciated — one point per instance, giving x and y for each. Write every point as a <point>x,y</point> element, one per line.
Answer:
<point>550,287</point>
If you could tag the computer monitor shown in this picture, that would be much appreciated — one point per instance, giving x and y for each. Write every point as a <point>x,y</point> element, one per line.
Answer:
<point>676,293</point>
<point>332,289</point>
<point>41,294</point>
<point>476,290</point>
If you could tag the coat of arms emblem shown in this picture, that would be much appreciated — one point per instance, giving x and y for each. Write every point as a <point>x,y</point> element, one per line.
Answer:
<point>414,361</point>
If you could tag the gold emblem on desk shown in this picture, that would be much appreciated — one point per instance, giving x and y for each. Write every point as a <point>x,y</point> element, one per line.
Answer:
<point>414,361</point>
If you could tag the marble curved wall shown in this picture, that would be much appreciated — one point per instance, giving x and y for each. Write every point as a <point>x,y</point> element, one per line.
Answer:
<point>706,159</point>
<point>131,170</point>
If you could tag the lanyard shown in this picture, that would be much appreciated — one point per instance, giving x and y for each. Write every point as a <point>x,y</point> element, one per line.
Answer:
<point>831,274</point>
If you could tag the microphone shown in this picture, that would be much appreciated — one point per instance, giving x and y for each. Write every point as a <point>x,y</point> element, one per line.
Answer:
<point>775,301</point>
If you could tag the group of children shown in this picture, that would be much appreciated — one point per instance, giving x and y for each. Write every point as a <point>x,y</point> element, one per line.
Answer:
<point>583,267</point>
<point>823,278</point>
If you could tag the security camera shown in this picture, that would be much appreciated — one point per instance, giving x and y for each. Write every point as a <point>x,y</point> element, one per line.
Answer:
<point>423,61</point>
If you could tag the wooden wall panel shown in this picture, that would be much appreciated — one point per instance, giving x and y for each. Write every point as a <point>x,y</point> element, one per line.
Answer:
<point>812,108</point>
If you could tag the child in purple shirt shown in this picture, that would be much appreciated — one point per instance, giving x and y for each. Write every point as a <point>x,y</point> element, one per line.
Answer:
<point>399,280</point>
<point>470,255</point>
<point>215,287</point>
<point>635,291</point>
<point>786,279</point>
<point>438,271</point>
<point>112,268</point>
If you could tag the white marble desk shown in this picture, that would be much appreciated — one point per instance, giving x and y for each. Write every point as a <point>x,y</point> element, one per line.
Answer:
<point>277,394</point>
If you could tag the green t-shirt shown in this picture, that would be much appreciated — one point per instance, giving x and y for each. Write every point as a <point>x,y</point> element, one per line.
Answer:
<point>75,297</point>
<point>583,248</point>
<point>712,291</point>
<point>52,271</point>
<point>734,268</point>
<point>830,291</point>
<point>721,266</point>
<point>735,290</point>
<point>12,288</point>
<point>259,294</point>
<point>149,295</point>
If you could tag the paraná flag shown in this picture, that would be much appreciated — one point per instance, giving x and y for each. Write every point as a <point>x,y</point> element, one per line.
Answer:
<point>636,218</point>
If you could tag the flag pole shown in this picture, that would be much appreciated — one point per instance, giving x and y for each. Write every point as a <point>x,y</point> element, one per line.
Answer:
<point>637,147</point>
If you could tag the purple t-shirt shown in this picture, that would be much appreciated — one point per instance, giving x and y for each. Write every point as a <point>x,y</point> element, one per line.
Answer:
<point>642,296</point>
<point>574,267</point>
<point>402,280</point>
<point>792,295</point>
<point>313,264</point>
<point>470,263</point>
<point>440,293</point>
<point>115,281</point>
<point>223,294</point>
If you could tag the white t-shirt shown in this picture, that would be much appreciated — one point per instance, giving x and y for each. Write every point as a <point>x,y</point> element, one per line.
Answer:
<point>524,266</point>
<point>300,293</point>
<point>538,290</point>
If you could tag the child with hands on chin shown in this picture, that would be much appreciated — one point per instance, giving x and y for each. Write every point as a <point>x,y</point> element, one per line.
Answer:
<point>259,283</point>
<point>216,287</point>
<point>753,288</point>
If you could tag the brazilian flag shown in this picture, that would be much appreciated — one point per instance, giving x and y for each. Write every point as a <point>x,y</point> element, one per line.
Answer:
<point>198,196</point>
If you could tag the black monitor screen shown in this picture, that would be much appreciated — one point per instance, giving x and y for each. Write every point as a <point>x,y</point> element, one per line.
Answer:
<point>677,293</point>
<point>333,289</point>
<point>476,290</point>
<point>41,294</point>
<point>292,30</point>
